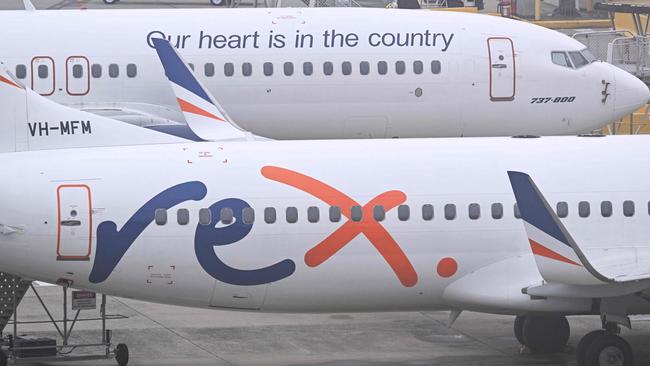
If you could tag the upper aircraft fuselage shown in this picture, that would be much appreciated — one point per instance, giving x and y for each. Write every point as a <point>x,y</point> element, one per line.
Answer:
<point>325,73</point>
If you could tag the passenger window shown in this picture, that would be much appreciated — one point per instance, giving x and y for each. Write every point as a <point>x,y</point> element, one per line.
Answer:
<point>247,69</point>
<point>268,69</point>
<point>346,68</point>
<point>418,67</point>
<point>269,215</point>
<point>288,68</point>
<point>328,68</point>
<point>403,212</point>
<point>364,67</point>
<point>583,209</point>
<point>160,216</point>
<point>43,71</point>
<point>578,59</point>
<point>183,216</point>
<point>208,69</point>
<point>248,215</point>
<point>400,67</point>
<point>628,208</point>
<point>560,58</point>
<point>228,69</point>
<point>606,208</point>
<point>382,67</point>
<point>379,213</point>
<point>517,212</point>
<point>435,67</point>
<point>226,216</point>
<point>562,209</point>
<point>497,211</point>
<point>308,68</point>
<point>427,212</point>
<point>113,71</point>
<point>21,71</point>
<point>205,216</point>
<point>77,71</point>
<point>335,214</point>
<point>474,211</point>
<point>313,214</point>
<point>356,213</point>
<point>96,71</point>
<point>450,211</point>
<point>131,70</point>
<point>292,215</point>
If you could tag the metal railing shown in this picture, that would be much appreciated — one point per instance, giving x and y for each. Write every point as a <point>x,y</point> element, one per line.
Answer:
<point>598,41</point>
<point>631,54</point>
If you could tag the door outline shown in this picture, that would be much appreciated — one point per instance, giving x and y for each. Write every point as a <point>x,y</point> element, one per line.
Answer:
<point>53,73</point>
<point>86,75</point>
<point>59,256</point>
<point>514,70</point>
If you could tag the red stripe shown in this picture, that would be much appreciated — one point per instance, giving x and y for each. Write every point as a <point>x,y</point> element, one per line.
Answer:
<point>5,80</point>
<point>543,251</point>
<point>191,108</point>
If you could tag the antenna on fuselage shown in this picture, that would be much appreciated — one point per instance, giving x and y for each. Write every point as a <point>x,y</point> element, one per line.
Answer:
<point>28,5</point>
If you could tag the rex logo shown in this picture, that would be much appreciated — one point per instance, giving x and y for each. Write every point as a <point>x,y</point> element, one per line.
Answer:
<point>113,244</point>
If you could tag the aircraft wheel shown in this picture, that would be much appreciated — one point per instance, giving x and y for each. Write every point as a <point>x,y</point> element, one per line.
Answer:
<point>546,334</point>
<point>216,2</point>
<point>519,329</point>
<point>581,350</point>
<point>609,350</point>
<point>110,1</point>
<point>122,354</point>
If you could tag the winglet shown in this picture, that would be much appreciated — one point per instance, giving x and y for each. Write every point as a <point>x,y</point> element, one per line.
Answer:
<point>203,114</point>
<point>558,257</point>
<point>28,5</point>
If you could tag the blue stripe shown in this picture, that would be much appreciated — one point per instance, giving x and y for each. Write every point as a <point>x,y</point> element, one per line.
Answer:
<point>533,207</point>
<point>182,131</point>
<point>176,70</point>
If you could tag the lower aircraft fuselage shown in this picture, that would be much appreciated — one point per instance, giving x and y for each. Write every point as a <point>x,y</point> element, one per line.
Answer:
<point>316,226</point>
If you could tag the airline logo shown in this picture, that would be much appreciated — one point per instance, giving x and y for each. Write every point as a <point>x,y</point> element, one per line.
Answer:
<point>112,244</point>
<point>545,234</point>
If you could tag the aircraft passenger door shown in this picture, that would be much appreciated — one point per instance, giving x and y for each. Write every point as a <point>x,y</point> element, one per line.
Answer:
<point>43,77</point>
<point>502,69</point>
<point>77,75</point>
<point>74,226</point>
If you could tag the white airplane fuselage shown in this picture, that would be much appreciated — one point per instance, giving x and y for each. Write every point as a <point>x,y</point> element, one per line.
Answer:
<point>336,73</point>
<point>90,216</point>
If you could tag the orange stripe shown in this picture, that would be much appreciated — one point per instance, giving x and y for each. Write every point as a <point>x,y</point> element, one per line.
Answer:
<point>191,108</point>
<point>5,80</point>
<point>543,251</point>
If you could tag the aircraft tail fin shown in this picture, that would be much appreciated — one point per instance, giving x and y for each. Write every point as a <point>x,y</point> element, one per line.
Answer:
<point>558,257</point>
<point>28,121</point>
<point>202,112</point>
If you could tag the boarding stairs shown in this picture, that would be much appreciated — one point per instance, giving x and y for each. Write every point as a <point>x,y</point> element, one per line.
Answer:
<point>12,291</point>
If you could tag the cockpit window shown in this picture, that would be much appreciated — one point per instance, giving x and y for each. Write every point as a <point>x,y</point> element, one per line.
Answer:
<point>578,59</point>
<point>560,58</point>
<point>588,55</point>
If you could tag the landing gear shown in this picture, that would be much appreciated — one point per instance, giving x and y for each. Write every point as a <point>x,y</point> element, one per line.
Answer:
<point>519,329</point>
<point>542,334</point>
<point>216,2</point>
<point>604,348</point>
<point>121,354</point>
<point>110,1</point>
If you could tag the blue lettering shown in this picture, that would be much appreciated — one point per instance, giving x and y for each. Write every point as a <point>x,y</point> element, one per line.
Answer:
<point>209,236</point>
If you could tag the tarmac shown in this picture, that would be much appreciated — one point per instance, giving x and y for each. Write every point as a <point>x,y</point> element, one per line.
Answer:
<point>175,336</point>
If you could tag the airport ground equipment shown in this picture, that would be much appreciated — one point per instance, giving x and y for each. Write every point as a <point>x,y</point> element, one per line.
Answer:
<point>16,348</point>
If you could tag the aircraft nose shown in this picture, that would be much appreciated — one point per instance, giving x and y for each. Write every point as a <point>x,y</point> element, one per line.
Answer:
<point>630,94</point>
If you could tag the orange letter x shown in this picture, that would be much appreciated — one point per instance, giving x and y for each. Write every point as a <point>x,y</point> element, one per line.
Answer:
<point>373,230</point>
